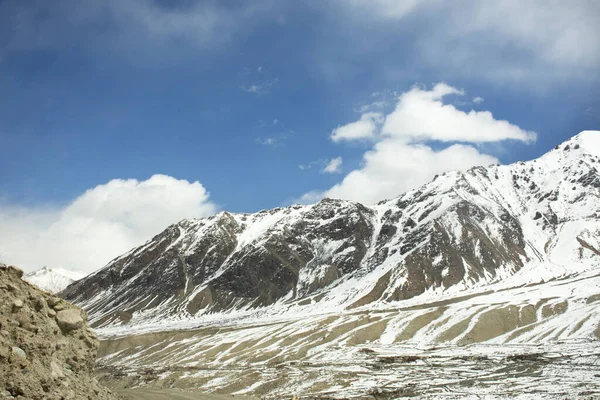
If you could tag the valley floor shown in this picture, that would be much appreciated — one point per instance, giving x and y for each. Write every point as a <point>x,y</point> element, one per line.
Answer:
<point>529,341</point>
<point>174,394</point>
<point>563,371</point>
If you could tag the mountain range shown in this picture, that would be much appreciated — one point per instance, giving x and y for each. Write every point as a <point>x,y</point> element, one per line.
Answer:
<point>460,231</point>
<point>480,283</point>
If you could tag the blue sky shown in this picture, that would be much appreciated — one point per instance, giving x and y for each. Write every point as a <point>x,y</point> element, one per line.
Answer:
<point>244,97</point>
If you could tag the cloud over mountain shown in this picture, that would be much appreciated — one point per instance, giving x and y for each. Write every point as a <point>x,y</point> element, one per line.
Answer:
<point>402,159</point>
<point>100,224</point>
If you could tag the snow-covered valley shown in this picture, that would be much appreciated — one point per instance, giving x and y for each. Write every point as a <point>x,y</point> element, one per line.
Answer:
<point>533,341</point>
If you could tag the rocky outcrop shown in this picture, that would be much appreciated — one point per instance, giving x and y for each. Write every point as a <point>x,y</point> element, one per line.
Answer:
<point>46,350</point>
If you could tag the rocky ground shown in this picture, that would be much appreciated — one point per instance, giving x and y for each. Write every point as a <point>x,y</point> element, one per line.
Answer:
<point>47,352</point>
<point>559,372</point>
<point>176,394</point>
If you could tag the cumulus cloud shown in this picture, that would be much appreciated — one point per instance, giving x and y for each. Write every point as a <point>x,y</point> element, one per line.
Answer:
<point>393,167</point>
<point>422,115</point>
<point>100,224</point>
<point>401,159</point>
<point>365,128</point>
<point>333,166</point>
<point>478,100</point>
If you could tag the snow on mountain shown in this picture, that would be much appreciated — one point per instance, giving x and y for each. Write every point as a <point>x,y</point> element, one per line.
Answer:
<point>478,284</point>
<point>524,223</point>
<point>53,280</point>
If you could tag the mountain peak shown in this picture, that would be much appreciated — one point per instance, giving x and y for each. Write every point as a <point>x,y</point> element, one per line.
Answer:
<point>587,142</point>
<point>52,280</point>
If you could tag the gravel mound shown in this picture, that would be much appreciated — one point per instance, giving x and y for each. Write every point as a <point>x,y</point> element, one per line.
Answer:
<point>47,352</point>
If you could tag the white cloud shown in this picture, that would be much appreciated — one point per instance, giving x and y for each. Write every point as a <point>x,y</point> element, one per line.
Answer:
<point>199,22</point>
<point>259,88</point>
<point>380,101</point>
<point>386,9</point>
<point>393,167</point>
<point>129,25</point>
<point>365,128</point>
<point>530,25</point>
<point>525,42</point>
<point>255,88</point>
<point>269,141</point>
<point>276,140</point>
<point>376,105</point>
<point>478,100</point>
<point>422,115</point>
<point>309,197</point>
<point>333,166</point>
<point>99,225</point>
<point>398,162</point>
<point>310,164</point>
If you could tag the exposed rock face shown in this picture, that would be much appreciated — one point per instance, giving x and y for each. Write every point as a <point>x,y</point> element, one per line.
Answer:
<point>44,353</point>
<point>69,320</point>
<point>460,230</point>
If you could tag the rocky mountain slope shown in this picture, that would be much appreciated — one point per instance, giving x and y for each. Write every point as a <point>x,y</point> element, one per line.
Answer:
<point>46,350</point>
<point>462,230</point>
<point>52,280</point>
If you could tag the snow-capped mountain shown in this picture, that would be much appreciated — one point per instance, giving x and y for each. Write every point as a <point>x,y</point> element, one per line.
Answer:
<point>53,280</point>
<point>462,230</point>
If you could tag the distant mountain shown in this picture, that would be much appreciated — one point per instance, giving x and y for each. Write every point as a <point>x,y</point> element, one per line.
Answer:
<point>52,280</point>
<point>460,231</point>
